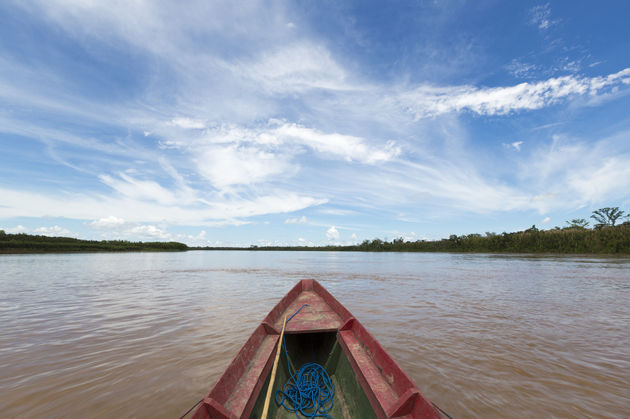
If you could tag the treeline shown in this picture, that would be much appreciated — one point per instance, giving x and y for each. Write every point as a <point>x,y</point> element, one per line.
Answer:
<point>606,237</point>
<point>606,240</point>
<point>27,243</point>
<point>610,240</point>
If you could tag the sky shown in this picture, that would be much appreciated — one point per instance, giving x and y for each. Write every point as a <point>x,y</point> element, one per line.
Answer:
<point>220,123</point>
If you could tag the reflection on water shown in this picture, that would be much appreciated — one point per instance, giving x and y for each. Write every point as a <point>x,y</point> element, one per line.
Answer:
<point>147,334</point>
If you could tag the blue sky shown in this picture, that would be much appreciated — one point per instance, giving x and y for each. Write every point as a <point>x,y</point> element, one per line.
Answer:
<point>218,123</point>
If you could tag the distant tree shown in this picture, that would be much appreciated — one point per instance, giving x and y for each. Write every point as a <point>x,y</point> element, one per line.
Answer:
<point>490,234</point>
<point>2,233</point>
<point>577,223</point>
<point>607,217</point>
<point>377,242</point>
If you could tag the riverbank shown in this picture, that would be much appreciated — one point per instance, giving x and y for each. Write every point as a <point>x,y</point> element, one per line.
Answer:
<point>567,241</point>
<point>614,240</point>
<point>27,243</point>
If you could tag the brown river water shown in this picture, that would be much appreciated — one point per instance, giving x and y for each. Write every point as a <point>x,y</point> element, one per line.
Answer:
<point>148,334</point>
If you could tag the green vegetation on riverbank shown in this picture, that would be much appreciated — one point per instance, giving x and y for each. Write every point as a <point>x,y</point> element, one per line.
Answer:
<point>610,240</point>
<point>605,238</point>
<point>26,243</point>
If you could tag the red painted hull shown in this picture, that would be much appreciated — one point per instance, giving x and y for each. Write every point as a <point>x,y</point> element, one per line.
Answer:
<point>390,392</point>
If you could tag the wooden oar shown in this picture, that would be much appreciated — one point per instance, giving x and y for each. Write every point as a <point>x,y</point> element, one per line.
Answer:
<point>273,372</point>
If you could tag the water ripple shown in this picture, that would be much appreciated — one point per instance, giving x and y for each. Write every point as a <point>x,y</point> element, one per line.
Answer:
<point>106,335</point>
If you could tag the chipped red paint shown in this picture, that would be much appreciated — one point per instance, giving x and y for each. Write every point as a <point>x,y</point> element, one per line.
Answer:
<point>390,391</point>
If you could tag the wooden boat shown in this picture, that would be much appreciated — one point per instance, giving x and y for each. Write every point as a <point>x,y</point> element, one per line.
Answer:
<point>368,382</point>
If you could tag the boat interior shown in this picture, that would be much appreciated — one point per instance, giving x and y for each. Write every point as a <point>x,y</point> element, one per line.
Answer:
<point>323,348</point>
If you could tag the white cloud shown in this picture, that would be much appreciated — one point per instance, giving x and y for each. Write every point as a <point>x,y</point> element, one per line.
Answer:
<point>304,242</point>
<point>453,184</point>
<point>546,220</point>
<point>544,197</point>
<point>220,211</point>
<point>517,145</point>
<point>430,101</point>
<point>237,155</point>
<point>301,220</point>
<point>54,231</point>
<point>541,16</point>
<point>348,147</point>
<point>187,123</point>
<point>281,203</point>
<point>241,165</point>
<point>607,178</point>
<point>232,155</point>
<point>16,230</point>
<point>409,237</point>
<point>295,67</point>
<point>332,234</point>
<point>150,231</point>
<point>161,28</point>
<point>521,70</point>
<point>108,223</point>
<point>140,189</point>
<point>571,173</point>
<point>200,239</point>
<point>337,211</point>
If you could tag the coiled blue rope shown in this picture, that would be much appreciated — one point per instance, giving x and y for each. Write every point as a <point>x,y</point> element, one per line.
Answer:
<point>309,392</point>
